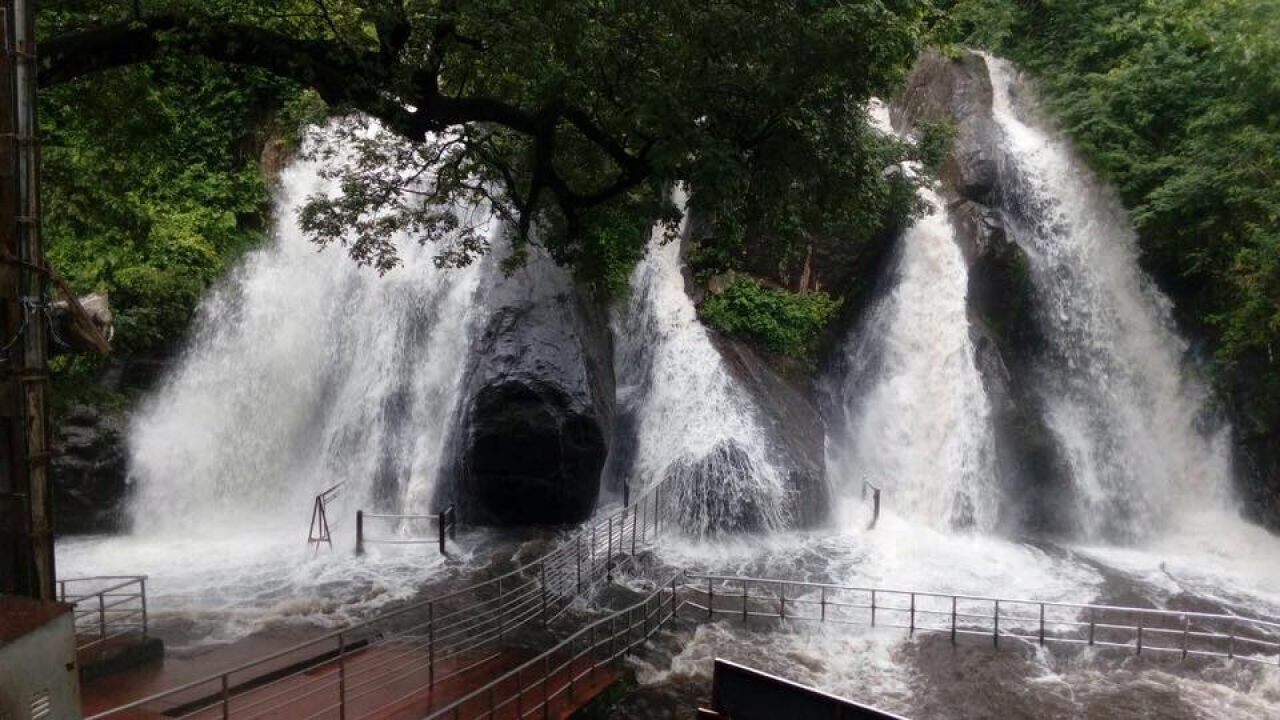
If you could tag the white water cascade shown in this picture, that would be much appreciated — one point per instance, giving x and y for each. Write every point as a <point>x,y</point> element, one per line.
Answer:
<point>692,421</point>
<point>306,370</point>
<point>1129,416</point>
<point>912,413</point>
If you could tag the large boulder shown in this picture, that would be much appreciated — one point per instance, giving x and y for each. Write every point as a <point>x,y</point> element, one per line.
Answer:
<point>539,411</point>
<point>956,91</point>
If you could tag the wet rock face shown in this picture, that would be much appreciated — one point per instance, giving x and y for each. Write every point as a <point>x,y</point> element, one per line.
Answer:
<point>957,91</point>
<point>539,414</point>
<point>89,472</point>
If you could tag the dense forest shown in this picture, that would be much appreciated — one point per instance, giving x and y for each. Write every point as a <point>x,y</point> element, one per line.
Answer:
<point>164,121</point>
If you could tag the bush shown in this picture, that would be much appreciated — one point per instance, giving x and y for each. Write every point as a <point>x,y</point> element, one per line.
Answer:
<point>783,322</point>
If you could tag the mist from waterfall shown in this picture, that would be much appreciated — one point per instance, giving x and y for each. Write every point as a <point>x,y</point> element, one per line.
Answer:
<point>1131,420</point>
<point>306,370</point>
<point>691,419</point>
<point>911,412</point>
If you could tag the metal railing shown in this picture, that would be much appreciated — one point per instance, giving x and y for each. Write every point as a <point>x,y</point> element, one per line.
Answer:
<point>320,531</point>
<point>1138,630</point>
<point>446,524</point>
<point>107,607</point>
<point>404,653</point>
<point>875,497</point>
<point>534,687</point>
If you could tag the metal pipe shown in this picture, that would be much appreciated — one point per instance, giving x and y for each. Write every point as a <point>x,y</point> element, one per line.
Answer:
<point>995,626</point>
<point>359,532</point>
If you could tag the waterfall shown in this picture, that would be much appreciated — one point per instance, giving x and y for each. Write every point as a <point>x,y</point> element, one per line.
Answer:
<point>1130,419</point>
<point>691,420</point>
<point>306,370</point>
<point>911,411</point>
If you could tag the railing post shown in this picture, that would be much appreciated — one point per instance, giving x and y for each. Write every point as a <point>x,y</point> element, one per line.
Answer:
<point>674,606</point>
<point>995,626</point>
<point>342,676</point>
<point>745,594</point>
<point>1042,623</point>
<point>912,631</point>
<point>359,532</point>
<point>577,558</point>
<point>62,590</point>
<point>102,618</point>
<point>873,608</point>
<point>1092,625</point>
<point>226,699</point>
<point>441,519</point>
<point>1139,634</point>
<point>594,528</point>
<point>544,593</point>
<point>635,520</point>
<point>822,600</point>
<point>1186,630</point>
<point>502,635</point>
<point>782,601</point>
<point>431,644</point>
<point>142,589</point>
<point>953,619</point>
<point>608,560</point>
<point>1231,643</point>
<point>711,600</point>
<point>875,513</point>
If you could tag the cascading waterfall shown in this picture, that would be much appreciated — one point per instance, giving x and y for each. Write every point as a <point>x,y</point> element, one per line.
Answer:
<point>691,420</point>
<point>912,413</point>
<point>306,370</point>
<point>1130,419</point>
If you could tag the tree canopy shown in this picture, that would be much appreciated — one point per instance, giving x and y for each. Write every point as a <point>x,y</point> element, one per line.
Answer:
<point>572,118</point>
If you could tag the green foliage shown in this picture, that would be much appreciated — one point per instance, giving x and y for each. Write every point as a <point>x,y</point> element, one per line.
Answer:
<point>1175,103</point>
<point>934,144</point>
<point>786,323</point>
<point>151,185</point>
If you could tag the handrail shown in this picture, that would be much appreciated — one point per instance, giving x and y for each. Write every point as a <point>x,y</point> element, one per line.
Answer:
<point>587,631</point>
<point>446,524</point>
<point>875,494</point>
<point>97,623</point>
<point>1140,629</point>
<point>541,589</point>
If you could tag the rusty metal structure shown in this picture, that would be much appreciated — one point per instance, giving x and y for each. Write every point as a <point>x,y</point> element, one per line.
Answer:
<point>26,512</point>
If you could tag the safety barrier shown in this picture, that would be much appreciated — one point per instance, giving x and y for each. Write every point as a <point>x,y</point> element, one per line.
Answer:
<point>446,524</point>
<point>375,665</point>
<point>107,607</point>
<point>1139,630</point>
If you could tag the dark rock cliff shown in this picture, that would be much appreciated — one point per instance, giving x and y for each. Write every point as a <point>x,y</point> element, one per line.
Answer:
<point>536,425</point>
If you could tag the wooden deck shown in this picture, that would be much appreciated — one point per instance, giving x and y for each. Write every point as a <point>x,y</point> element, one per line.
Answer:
<point>390,681</point>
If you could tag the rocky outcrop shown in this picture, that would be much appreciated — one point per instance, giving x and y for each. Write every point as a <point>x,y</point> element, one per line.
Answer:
<point>89,471</point>
<point>539,413</point>
<point>1002,323</point>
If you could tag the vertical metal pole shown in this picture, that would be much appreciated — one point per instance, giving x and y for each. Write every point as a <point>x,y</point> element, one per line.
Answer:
<point>608,561</point>
<point>62,591</point>
<point>577,558</point>
<point>1231,643</point>
<point>873,608</point>
<point>635,521</point>
<point>782,601</point>
<point>142,584</point>
<point>1139,636</point>
<point>822,599</point>
<point>544,593</point>
<point>711,600</point>
<point>342,676</point>
<point>995,626</point>
<point>953,619</point>
<point>226,699</point>
<point>102,619</point>
<point>431,644</point>
<point>674,607</point>
<point>1186,630</point>
<point>1092,626</point>
<point>1041,623</point>
<point>594,540</point>
<point>441,519</point>
<point>912,632</point>
<point>359,532</point>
